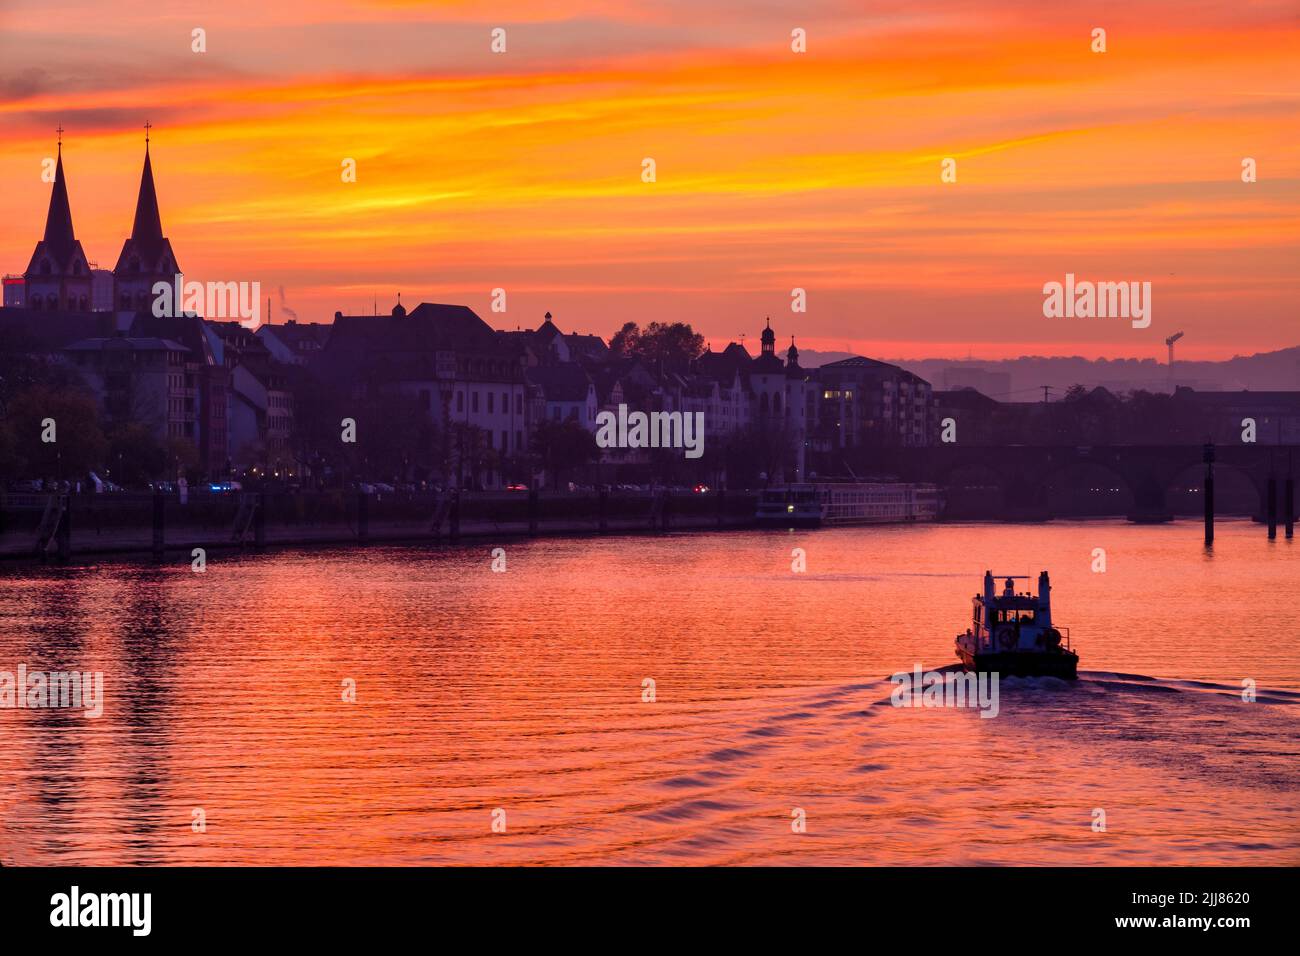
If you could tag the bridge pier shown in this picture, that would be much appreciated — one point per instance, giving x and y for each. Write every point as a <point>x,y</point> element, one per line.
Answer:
<point>1026,500</point>
<point>1149,505</point>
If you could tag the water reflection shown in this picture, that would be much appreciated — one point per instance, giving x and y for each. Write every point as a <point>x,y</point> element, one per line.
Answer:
<point>523,691</point>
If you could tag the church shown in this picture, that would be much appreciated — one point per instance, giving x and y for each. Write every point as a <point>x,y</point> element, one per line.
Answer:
<point>61,278</point>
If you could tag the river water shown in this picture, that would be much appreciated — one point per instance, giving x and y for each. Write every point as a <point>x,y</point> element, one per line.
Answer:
<point>503,717</point>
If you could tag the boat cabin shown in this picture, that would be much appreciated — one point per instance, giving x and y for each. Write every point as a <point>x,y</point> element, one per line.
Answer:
<point>1012,620</point>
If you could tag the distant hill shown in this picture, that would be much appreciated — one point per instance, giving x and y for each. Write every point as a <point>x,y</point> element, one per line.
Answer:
<point>1021,379</point>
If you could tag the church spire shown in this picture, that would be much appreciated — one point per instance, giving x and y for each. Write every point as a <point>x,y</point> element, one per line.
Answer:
<point>147,230</point>
<point>59,236</point>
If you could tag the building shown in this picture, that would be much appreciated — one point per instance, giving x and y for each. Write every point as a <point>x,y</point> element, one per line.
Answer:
<point>58,275</point>
<point>462,375</point>
<point>140,380</point>
<point>260,400</point>
<point>1224,415</point>
<point>779,402</point>
<point>569,392</point>
<point>15,292</point>
<point>862,403</point>
<point>294,342</point>
<point>146,256</point>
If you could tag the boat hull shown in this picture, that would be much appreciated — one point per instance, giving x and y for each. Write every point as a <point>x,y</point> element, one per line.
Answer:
<point>1022,663</point>
<point>788,521</point>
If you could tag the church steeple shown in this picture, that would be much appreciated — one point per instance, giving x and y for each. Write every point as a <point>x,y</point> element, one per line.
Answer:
<point>769,340</point>
<point>59,236</point>
<point>58,274</point>
<point>147,256</point>
<point>147,230</point>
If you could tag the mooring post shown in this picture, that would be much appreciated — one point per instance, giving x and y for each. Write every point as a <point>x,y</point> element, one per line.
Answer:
<point>259,522</point>
<point>65,530</point>
<point>363,517</point>
<point>158,511</point>
<point>665,512</point>
<point>1288,502</point>
<point>1209,494</point>
<point>722,507</point>
<point>602,510</point>
<point>1271,507</point>
<point>534,506</point>
<point>453,517</point>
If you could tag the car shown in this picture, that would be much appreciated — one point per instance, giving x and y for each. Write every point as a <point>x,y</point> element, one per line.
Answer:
<point>516,487</point>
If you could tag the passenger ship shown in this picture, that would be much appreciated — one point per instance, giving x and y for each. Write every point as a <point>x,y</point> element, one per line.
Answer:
<point>846,502</point>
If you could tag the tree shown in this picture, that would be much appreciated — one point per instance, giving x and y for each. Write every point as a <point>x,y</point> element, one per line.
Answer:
<point>659,345</point>
<point>79,443</point>
<point>562,446</point>
<point>758,450</point>
<point>624,342</point>
<point>134,454</point>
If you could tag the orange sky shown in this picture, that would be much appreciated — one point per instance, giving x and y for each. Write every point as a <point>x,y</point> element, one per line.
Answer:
<point>821,170</point>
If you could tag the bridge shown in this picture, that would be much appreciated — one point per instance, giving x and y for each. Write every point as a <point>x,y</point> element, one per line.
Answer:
<point>1022,474</point>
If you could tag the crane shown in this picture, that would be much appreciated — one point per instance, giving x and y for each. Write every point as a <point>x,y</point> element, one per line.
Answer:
<point>1170,342</point>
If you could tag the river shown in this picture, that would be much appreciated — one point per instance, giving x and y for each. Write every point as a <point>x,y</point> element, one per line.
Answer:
<point>504,717</point>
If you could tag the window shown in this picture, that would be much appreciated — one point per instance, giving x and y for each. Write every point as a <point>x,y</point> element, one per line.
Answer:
<point>519,404</point>
<point>460,401</point>
<point>505,440</point>
<point>473,402</point>
<point>505,403</point>
<point>491,402</point>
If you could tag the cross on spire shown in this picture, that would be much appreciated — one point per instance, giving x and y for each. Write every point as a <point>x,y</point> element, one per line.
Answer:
<point>60,132</point>
<point>147,126</point>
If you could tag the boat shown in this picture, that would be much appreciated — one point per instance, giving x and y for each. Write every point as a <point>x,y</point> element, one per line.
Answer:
<point>1012,633</point>
<point>813,504</point>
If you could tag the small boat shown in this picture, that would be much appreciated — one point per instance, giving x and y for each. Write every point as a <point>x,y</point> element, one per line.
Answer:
<point>1012,633</point>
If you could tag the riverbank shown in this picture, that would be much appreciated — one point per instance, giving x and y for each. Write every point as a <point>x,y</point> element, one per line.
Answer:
<point>163,526</point>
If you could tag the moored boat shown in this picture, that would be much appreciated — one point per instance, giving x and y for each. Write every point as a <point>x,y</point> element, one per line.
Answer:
<point>1012,633</point>
<point>830,502</point>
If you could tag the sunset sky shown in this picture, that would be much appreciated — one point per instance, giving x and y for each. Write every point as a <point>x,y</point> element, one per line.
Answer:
<point>775,169</point>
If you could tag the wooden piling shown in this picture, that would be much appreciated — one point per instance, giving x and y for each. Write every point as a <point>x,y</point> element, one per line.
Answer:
<point>159,536</point>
